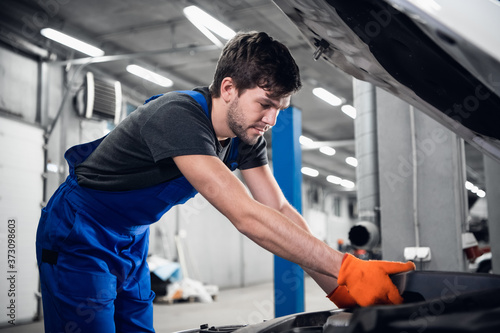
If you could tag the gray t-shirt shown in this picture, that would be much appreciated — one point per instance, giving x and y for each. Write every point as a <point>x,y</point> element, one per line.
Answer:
<point>138,152</point>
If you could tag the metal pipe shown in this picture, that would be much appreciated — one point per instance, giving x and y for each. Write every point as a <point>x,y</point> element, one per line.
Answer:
<point>413,138</point>
<point>95,60</point>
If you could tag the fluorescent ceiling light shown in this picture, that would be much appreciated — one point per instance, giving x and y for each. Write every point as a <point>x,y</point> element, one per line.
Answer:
<point>334,179</point>
<point>149,75</point>
<point>347,183</point>
<point>339,181</point>
<point>327,150</point>
<point>327,96</point>
<point>349,110</point>
<point>352,161</point>
<point>474,189</point>
<point>51,167</point>
<point>208,25</point>
<point>72,42</point>
<point>310,172</point>
<point>304,140</point>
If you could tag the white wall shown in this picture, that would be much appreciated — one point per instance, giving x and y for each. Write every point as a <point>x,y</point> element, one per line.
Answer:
<point>21,168</point>
<point>18,89</point>
<point>325,223</point>
<point>338,226</point>
<point>21,190</point>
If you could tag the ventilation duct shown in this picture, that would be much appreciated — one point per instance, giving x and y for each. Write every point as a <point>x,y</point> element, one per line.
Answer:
<point>364,235</point>
<point>99,99</point>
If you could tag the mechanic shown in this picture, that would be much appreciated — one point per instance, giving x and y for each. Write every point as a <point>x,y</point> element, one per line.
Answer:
<point>92,239</point>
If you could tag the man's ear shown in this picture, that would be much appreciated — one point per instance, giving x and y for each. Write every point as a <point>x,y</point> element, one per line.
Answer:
<point>227,89</point>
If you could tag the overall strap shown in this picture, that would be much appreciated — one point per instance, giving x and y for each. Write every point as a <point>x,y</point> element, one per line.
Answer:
<point>231,162</point>
<point>199,98</point>
<point>152,98</point>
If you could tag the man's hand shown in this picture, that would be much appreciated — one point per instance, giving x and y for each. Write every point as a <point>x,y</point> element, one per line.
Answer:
<point>368,282</point>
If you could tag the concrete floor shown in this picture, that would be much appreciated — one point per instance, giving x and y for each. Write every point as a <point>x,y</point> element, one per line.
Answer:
<point>240,306</point>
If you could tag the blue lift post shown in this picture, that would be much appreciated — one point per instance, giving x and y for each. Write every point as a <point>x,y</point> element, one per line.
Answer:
<point>287,161</point>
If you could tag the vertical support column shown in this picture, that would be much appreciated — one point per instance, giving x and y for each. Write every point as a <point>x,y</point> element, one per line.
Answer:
<point>365,126</point>
<point>492,177</point>
<point>287,161</point>
<point>422,185</point>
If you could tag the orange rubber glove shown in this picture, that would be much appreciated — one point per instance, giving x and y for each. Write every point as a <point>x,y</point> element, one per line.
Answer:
<point>341,297</point>
<point>368,282</point>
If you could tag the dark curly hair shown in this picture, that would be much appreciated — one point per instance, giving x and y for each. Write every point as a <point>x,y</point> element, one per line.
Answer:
<point>254,59</point>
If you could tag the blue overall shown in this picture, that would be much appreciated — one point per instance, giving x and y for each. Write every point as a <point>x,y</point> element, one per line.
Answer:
<point>91,250</point>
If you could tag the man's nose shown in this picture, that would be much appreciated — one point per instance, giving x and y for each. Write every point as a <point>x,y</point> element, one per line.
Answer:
<point>271,116</point>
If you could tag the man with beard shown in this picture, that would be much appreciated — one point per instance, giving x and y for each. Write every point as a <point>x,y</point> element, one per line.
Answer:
<point>92,239</point>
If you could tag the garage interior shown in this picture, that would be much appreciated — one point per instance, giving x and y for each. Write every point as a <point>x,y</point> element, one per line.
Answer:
<point>380,178</point>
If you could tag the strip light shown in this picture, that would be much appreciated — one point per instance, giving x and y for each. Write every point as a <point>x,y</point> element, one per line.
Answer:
<point>334,179</point>
<point>347,183</point>
<point>474,189</point>
<point>339,181</point>
<point>352,161</point>
<point>327,150</point>
<point>309,172</point>
<point>349,110</point>
<point>305,141</point>
<point>327,96</point>
<point>208,25</point>
<point>149,75</point>
<point>72,42</point>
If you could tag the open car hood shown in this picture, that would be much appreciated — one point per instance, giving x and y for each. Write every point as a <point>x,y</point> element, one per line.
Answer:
<point>441,56</point>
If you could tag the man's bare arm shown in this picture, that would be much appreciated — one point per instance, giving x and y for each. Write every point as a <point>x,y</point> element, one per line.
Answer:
<point>266,226</point>
<point>266,190</point>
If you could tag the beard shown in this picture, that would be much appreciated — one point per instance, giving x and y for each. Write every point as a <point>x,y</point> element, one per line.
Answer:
<point>236,121</point>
